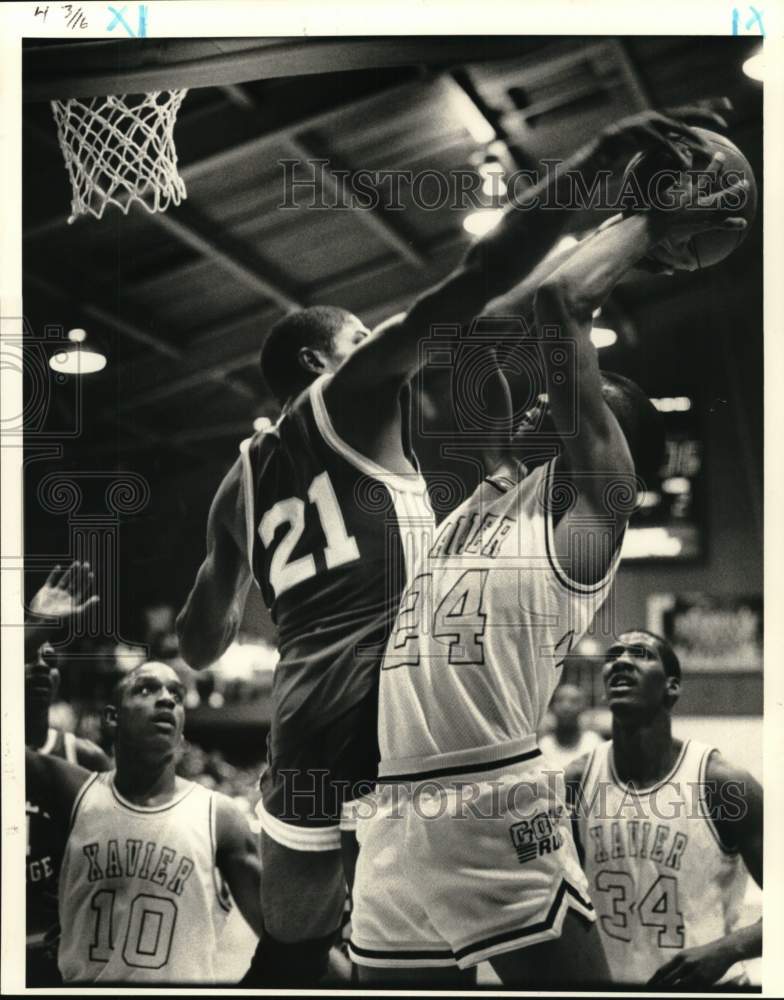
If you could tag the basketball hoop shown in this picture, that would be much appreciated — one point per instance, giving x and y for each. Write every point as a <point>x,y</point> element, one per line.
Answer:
<point>119,150</point>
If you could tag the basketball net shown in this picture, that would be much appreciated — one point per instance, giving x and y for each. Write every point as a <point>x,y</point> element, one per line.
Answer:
<point>119,150</point>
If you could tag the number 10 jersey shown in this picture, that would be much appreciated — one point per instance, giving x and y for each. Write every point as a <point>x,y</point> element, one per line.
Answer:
<point>141,898</point>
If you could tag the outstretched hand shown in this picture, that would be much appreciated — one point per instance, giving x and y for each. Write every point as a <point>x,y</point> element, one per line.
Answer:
<point>61,595</point>
<point>667,131</point>
<point>689,211</point>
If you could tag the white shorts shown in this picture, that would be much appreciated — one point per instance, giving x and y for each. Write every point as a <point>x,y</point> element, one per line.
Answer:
<point>454,871</point>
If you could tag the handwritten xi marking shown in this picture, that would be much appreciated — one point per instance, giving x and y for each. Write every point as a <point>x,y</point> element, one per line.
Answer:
<point>119,18</point>
<point>755,19</point>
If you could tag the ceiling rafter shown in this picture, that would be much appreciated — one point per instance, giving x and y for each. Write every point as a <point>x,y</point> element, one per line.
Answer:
<point>205,237</point>
<point>131,329</point>
<point>395,99</point>
<point>201,355</point>
<point>373,218</point>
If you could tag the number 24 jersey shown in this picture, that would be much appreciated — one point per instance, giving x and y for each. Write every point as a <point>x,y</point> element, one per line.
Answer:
<point>482,631</point>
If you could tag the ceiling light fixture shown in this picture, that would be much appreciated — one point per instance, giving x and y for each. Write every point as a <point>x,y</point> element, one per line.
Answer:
<point>603,336</point>
<point>754,66</point>
<point>482,221</point>
<point>79,359</point>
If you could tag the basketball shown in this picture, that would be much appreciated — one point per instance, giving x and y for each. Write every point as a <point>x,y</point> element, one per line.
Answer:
<point>357,323</point>
<point>714,246</point>
<point>711,247</point>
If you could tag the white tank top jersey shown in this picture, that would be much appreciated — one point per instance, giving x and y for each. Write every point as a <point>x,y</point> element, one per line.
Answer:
<point>659,876</point>
<point>481,633</point>
<point>141,899</point>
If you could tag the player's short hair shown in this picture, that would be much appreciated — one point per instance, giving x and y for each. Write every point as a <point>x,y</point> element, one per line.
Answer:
<point>668,656</point>
<point>640,421</point>
<point>314,327</point>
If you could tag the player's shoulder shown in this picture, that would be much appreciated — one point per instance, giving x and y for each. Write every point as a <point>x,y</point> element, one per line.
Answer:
<point>90,756</point>
<point>55,781</point>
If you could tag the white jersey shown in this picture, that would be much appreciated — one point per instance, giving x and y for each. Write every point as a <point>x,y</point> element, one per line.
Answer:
<point>140,896</point>
<point>560,756</point>
<point>481,633</point>
<point>659,877</point>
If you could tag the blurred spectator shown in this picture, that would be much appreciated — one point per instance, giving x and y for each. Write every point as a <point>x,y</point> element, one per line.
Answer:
<point>212,770</point>
<point>568,738</point>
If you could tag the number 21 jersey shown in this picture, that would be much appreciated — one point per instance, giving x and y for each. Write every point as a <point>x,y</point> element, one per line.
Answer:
<point>329,540</point>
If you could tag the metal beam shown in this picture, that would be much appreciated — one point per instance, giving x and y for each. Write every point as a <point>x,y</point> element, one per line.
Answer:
<point>372,218</point>
<point>202,362</point>
<point>132,330</point>
<point>204,236</point>
<point>394,98</point>
<point>239,96</point>
<point>102,315</point>
<point>210,332</point>
<point>640,94</point>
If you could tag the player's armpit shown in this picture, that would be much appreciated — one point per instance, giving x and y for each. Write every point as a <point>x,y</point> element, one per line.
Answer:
<point>238,860</point>
<point>209,621</point>
<point>587,536</point>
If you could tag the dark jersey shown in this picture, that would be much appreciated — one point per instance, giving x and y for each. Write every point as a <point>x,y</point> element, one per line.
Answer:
<point>75,749</point>
<point>328,536</point>
<point>47,832</point>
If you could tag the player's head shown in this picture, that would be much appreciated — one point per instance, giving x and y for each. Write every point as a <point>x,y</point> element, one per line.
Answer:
<point>42,679</point>
<point>568,704</point>
<point>640,421</point>
<point>307,343</point>
<point>146,712</point>
<point>641,674</point>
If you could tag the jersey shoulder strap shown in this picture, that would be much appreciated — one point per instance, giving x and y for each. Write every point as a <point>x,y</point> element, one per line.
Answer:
<point>597,767</point>
<point>69,746</point>
<point>50,743</point>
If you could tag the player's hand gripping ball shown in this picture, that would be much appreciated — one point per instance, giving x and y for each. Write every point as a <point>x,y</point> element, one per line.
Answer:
<point>701,249</point>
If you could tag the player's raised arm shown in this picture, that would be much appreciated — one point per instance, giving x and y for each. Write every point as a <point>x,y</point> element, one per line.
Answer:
<point>503,257</point>
<point>209,621</point>
<point>60,602</point>
<point>596,452</point>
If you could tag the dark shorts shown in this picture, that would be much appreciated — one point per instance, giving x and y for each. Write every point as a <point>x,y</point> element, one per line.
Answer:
<point>311,774</point>
<point>41,967</point>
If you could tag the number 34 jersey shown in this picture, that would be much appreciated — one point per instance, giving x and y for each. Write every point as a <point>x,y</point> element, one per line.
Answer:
<point>482,632</point>
<point>660,878</point>
<point>141,899</point>
<point>329,536</point>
